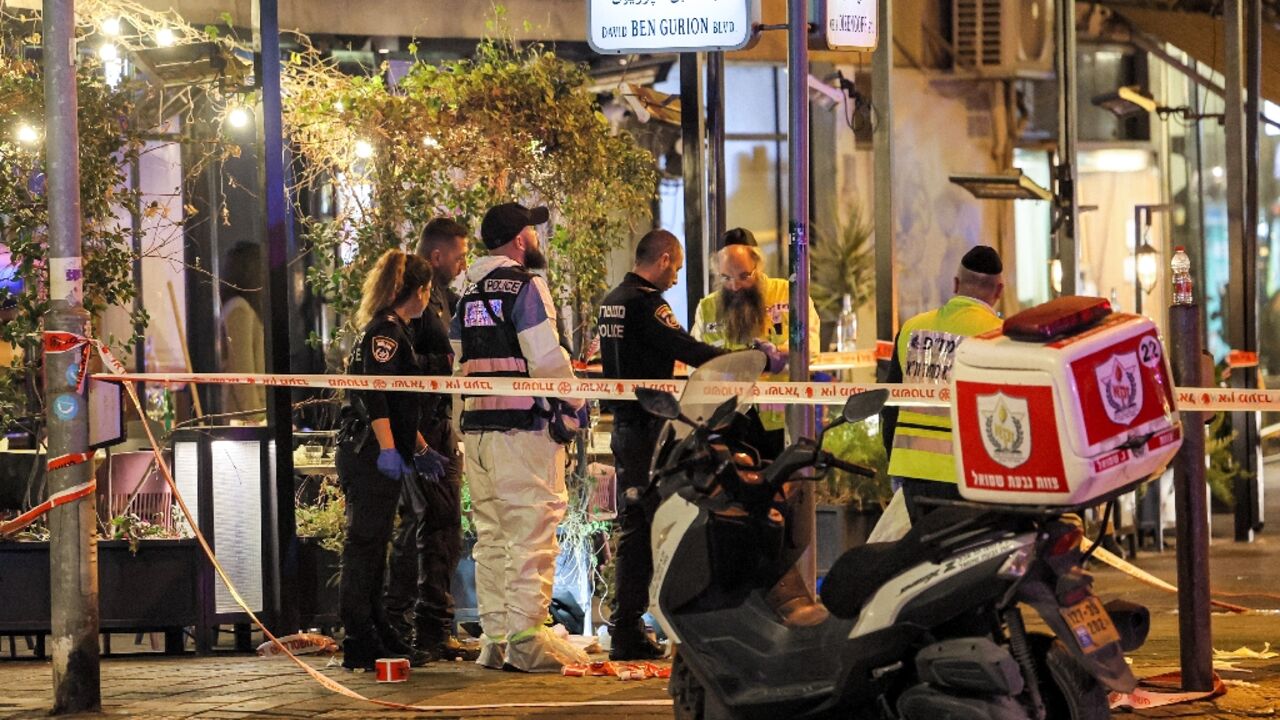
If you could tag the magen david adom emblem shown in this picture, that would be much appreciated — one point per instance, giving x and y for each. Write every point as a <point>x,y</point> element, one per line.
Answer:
<point>1006,432</point>
<point>1121,388</point>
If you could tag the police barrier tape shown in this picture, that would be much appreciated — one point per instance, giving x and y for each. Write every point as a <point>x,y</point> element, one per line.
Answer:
<point>67,342</point>
<point>789,393</point>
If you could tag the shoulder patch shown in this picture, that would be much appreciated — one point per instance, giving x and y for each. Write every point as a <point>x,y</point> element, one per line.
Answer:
<point>383,348</point>
<point>665,316</point>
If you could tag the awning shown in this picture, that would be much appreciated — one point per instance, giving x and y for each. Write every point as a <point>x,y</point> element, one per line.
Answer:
<point>1201,36</point>
<point>547,19</point>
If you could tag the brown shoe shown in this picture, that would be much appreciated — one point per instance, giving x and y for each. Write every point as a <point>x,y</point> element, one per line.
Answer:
<point>794,603</point>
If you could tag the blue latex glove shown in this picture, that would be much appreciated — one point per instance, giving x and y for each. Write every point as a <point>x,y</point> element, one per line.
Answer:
<point>777,359</point>
<point>430,464</point>
<point>392,465</point>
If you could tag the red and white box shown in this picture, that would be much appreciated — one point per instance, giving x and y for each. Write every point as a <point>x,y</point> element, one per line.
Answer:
<point>392,670</point>
<point>1063,422</point>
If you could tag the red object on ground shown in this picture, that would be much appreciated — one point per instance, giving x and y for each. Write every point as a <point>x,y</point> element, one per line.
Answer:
<point>391,670</point>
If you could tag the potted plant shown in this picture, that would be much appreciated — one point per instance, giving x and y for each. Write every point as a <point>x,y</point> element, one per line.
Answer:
<point>848,505</point>
<point>321,527</point>
<point>843,265</point>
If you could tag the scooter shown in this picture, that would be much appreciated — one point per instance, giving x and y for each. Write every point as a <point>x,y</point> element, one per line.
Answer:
<point>925,628</point>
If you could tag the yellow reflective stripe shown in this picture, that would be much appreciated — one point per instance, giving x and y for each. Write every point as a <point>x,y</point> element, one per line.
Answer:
<point>914,417</point>
<point>921,464</point>
<point>927,440</point>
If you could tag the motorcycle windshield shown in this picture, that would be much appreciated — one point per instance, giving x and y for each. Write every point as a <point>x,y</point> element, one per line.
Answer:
<point>715,381</point>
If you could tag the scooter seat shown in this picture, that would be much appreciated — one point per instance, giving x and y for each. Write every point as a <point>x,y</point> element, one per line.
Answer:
<point>861,571</point>
<point>857,574</point>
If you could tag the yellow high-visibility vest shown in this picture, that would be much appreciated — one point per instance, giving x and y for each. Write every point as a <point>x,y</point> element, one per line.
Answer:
<point>776,292</point>
<point>926,350</point>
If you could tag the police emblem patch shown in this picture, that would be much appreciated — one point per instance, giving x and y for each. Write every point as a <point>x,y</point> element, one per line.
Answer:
<point>1005,434</point>
<point>666,316</point>
<point>1121,390</point>
<point>383,348</point>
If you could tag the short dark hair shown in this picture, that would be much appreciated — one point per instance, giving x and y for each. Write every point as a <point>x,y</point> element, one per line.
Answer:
<point>654,245</point>
<point>439,231</point>
<point>738,236</point>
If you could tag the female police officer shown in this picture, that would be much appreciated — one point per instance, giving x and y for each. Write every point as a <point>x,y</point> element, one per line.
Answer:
<point>379,446</point>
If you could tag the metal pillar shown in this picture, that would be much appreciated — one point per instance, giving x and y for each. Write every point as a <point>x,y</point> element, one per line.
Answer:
<point>1242,290</point>
<point>1191,504</point>
<point>692,159</point>
<point>882,148</point>
<point>73,553</point>
<point>278,230</point>
<point>1137,246</point>
<point>1068,207</point>
<point>715,142</point>
<point>801,419</point>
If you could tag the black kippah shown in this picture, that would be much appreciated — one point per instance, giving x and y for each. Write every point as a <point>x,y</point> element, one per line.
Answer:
<point>982,259</point>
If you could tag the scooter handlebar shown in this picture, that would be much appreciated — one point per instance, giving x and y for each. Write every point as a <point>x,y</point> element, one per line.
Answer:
<point>855,468</point>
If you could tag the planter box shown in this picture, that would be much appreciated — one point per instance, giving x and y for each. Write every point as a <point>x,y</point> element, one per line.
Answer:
<point>839,528</point>
<point>317,584</point>
<point>152,591</point>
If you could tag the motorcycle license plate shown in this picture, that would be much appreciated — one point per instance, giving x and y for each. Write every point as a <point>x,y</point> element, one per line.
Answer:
<point>1090,624</point>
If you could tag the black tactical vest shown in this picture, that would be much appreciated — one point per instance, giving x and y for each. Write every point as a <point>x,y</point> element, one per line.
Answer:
<point>491,348</point>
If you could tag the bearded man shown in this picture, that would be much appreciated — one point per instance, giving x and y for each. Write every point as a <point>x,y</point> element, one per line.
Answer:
<point>752,307</point>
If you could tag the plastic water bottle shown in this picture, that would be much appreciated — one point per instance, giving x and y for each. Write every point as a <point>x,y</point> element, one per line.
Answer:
<point>846,326</point>
<point>1181,266</point>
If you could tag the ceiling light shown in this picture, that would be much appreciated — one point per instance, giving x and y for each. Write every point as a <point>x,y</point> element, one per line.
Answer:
<point>1114,159</point>
<point>1126,101</point>
<point>1009,185</point>
<point>165,37</point>
<point>364,149</point>
<point>108,53</point>
<point>111,26</point>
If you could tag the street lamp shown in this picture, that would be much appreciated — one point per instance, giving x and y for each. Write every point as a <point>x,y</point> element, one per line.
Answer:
<point>1146,258</point>
<point>1131,100</point>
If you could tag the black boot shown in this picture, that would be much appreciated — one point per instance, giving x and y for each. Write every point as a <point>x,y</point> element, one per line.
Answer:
<point>631,642</point>
<point>396,646</point>
<point>359,653</point>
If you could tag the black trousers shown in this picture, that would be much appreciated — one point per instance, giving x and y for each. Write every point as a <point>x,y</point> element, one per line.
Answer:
<point>426,546</point>
<point>371,508</point>
<point>914,489</point>
<point>633,445</point>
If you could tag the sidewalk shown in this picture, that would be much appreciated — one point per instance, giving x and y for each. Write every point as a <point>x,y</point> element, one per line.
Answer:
<point>231,686</point>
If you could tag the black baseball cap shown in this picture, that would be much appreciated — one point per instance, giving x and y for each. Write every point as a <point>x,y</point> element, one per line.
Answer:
<point>503,222</point>
<point>982,259</point>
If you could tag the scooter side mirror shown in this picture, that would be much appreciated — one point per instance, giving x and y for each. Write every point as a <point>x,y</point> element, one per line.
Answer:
<point>658,402</point>
<point>863,405</point>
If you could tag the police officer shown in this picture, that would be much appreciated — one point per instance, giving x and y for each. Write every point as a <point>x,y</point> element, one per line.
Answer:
<point>919,439</point>
<point>428,541</point>
<point>379,448</point>
<point>505,326</point>
<point>640,338</point>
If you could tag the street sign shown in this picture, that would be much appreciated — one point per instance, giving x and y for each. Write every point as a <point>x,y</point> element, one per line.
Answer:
<point>655,26</point>
<point>851,24</point>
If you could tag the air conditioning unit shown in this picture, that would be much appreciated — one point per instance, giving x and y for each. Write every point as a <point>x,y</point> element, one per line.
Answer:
<point>1003,38</point>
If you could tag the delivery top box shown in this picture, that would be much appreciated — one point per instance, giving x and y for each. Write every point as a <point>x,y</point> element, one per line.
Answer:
<point>1063,421</point>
